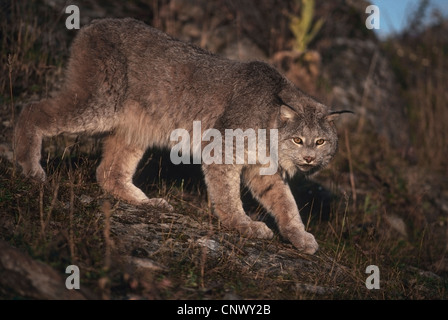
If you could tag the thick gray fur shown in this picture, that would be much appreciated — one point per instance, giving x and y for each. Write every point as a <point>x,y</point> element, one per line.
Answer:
<point>138,84</point>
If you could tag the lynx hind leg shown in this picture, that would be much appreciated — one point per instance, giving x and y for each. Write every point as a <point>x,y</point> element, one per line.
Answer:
<point>275,195</point>
<point>115,172</point>
<point>223,186</point>
<point>34,122</point>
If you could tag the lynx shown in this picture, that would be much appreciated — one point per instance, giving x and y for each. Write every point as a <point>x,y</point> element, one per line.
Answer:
<point>138,84</point>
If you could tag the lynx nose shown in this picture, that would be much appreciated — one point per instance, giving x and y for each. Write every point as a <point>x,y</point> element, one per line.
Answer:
<point>308,159</point>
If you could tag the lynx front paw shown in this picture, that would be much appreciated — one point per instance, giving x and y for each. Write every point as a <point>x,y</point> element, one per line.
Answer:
<point>304,241</point>
<point>159,203</point>
<point>255,229</point>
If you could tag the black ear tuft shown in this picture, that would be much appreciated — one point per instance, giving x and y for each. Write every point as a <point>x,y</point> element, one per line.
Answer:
<point>333,115</point>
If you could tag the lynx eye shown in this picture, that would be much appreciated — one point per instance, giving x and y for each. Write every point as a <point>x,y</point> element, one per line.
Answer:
<point>320,142</point>
<point>297,140</point>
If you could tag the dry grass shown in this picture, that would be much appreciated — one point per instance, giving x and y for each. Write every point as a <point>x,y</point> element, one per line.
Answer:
<point>420,61</point>
<point>31,46</point>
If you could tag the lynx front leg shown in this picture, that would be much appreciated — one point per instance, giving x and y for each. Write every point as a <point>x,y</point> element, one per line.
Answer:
<point>223,186</point>
<point>275,195</point>
<point>116,170</point>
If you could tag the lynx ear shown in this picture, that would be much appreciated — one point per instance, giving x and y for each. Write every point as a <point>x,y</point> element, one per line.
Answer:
<point>286,113</point>
<point>333,115</point>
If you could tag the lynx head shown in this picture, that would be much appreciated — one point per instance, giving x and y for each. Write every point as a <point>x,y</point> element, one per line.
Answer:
<point>307,138</point>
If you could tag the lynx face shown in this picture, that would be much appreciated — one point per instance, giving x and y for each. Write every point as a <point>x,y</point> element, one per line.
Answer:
<point>307,141</point>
